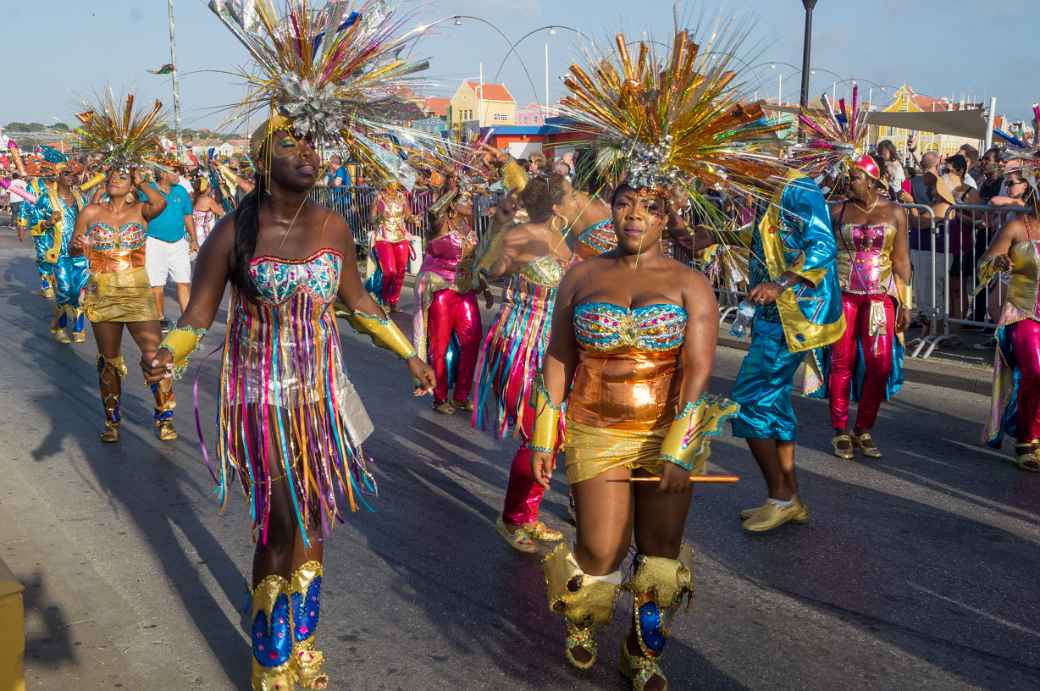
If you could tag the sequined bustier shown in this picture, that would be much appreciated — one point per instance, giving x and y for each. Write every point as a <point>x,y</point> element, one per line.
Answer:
<point>116,249</point>
<point>1024,285</point>
<point>283,345</point>
<point>865,258</point>
<point>596,239</point>
<point>392,226</point>
<point>450,257</point>
<point>629,372</point>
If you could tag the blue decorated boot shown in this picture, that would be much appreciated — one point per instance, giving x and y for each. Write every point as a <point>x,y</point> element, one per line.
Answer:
<point>305,594</point>
<point>272,636</point>
<point>658,587</point>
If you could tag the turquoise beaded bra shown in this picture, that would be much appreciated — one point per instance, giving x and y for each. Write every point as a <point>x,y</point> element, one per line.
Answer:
<point>606,326</point>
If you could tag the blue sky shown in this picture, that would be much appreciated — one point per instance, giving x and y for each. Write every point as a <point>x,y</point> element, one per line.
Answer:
<point>61,51</point>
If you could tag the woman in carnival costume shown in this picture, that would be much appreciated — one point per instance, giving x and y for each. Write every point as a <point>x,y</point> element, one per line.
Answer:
<point>632,346</point>
<point>446,298</point>
<point>53,217</point>
<point>1016,365</point>
<point>391,240</point>
<point>290,422</point>
<point>111,234</point>
<point>533,256</point>
<point>873,270</point>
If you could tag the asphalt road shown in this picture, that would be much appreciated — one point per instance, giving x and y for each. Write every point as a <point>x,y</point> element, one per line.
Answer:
<point>921,570</point>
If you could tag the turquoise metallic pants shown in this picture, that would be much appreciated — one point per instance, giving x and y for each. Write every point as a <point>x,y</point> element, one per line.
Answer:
<point>763,387</point>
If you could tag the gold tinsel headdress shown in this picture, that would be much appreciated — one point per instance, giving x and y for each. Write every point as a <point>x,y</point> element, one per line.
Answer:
<point>674,122</point>
<point>333,74</point>
<point>123,137</point>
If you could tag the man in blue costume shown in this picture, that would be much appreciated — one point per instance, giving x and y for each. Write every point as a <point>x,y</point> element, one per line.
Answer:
<point>798,310</point>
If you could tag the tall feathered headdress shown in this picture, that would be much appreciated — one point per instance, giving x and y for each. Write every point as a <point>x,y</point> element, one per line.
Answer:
<point>123,137</point>
<point>334,74</point>
<point>676,121</point>
<point>836,140</point>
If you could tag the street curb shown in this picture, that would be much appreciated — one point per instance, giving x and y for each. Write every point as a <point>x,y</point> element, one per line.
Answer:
<point>941,373</point>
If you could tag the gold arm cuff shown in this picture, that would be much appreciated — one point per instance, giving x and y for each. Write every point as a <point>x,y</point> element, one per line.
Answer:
<point>513,176</point>
<point>383,332</point>
<point>181,343</point>
<point>987,271</point>
<point>687,442</point>
<point>905,294</point>
<point>546,419</point>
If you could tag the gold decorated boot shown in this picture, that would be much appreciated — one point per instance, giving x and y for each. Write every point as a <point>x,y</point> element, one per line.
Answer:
<point>58,324</point>
<point>584,601</point>
<point>271,636</point>
<point>658,587</point>
<point>110,383</point>
<point>305,596</point>
<point>164,405</point>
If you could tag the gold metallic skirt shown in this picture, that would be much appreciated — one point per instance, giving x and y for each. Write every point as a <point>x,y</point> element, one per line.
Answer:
<point>120,296</point>
<point>592,451</point>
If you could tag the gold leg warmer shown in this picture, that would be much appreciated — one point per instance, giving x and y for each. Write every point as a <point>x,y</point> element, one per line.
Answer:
<point>584,601</point>
<point>305,595</point>
<point>164,405</point>
<point>110,382</point>
<point>272,636</point>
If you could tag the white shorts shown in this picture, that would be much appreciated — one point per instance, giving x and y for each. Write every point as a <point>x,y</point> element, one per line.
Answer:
<point>166,259</point>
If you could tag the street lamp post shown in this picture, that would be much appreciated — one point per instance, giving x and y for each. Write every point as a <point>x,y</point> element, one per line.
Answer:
<point>176,86</point>
<point>807,52</point>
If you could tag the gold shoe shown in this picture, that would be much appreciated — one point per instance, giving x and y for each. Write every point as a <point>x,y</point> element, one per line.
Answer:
<point>517,537</point>
<point>748,513</point>
<point>60,336</point>
<point>466,406</point>
<point>47,293</point>
<point>640,669</point>
<point>111,433</point>
<point>773,516</point>
<point>165,430</point>
<point>581,637</point>
<point>1026,457</point>
<point>79,337</point>
<point>865,443</point>
<point>444,408</point>
<point>543,533</point>
<point>844,446</point>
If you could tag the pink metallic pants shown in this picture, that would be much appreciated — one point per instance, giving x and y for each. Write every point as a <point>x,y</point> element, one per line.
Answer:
<point>1025,343</point>
<point>458,313</point>
<point>523,493</point>
<point>877,352</point>
<point>393,262</point>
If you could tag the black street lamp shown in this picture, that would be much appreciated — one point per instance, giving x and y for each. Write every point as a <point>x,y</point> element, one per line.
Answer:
<point>807,52</point>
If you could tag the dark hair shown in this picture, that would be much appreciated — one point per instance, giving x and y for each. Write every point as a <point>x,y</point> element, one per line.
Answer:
<point>970,153</point>
<point>887,145</point>
<point>587,177</point>
<point>247,227</point>
<point>540,194</point>
<point>959,163</point>
<point>623,187</point>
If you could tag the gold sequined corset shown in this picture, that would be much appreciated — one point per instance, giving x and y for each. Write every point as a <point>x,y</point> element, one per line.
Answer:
<point>1025,277</point>
<point>865,258</point>
<point>392,227</point>
<point>629,372</point>
<point>115,249</point>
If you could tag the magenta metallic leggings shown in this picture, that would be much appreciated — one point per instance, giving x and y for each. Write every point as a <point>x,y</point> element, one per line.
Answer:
<point>393,262</point>
<point>523,493</point>
<point>876,351</point>
<point>454,312</point>
<point>1025,343</point>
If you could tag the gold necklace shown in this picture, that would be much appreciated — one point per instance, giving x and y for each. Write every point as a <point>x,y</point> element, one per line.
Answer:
<point>866,210</point>
<point>292,224</point>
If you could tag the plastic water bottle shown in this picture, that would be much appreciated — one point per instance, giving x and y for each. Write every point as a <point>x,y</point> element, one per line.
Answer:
<point>745,314</point>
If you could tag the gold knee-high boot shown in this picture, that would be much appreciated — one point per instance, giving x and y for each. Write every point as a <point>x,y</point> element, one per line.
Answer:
<point>272,635</point>
<point>58,324</point>
<point>164,405</point>
<point>110,383</point>
<point>305,595</point>
<point>584,601</point>
<point>658,587</point>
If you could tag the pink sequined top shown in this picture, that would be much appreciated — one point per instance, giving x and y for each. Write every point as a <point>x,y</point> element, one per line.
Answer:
<point>392,211</point>
<point>450,257</point>
<point>865,258</point>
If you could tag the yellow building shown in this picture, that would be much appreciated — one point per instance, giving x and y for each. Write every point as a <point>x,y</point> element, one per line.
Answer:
<point>495,106</point>
<point>905,100</point>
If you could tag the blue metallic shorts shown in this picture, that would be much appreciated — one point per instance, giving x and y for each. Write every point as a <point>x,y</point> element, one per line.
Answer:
<point>763,387</point>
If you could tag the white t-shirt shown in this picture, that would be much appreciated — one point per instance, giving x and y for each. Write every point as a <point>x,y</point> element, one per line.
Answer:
<point>186,184</point>
<point>970,181</point>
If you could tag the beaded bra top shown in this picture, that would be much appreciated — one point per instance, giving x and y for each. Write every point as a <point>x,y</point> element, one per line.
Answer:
<point>604,326</point>
<point>278,279</point>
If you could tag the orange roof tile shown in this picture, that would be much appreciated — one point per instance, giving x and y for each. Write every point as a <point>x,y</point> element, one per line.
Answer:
<point>492,92</point>
<point>437,106</point>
